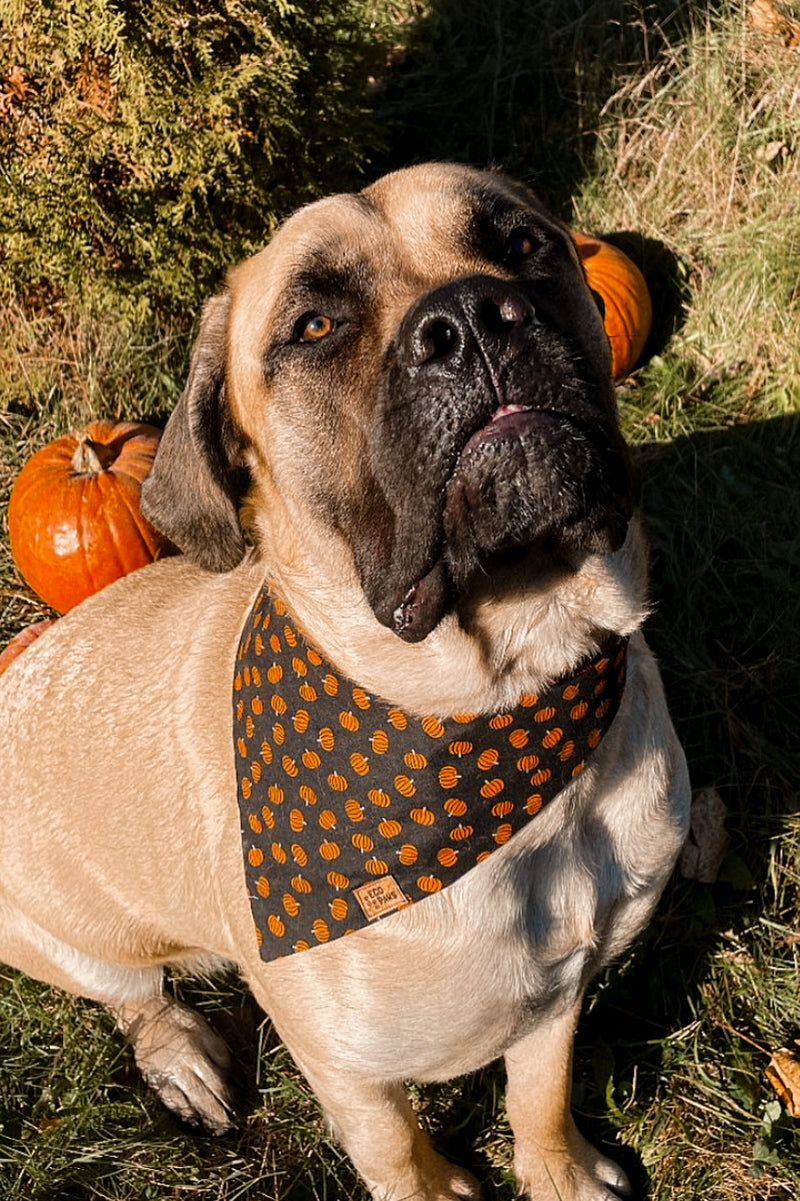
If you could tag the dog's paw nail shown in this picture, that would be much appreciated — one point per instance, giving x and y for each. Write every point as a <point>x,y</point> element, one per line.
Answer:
<point>618,1183</point>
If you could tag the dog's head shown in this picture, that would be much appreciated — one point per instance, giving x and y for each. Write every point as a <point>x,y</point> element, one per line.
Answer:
<point>419,371</point>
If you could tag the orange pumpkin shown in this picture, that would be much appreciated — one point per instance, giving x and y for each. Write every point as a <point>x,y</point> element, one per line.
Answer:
<point>24,638</point>
<point>73,519</point>
<point>628,308</point>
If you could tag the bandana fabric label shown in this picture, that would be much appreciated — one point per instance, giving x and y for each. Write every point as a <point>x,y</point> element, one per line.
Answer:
<point>352,809</point>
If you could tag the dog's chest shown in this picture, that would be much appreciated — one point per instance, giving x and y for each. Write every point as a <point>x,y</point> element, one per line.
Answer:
<point>351,809</point>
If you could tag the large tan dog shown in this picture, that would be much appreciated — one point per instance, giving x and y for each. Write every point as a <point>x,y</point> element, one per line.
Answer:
<point>400,414</point>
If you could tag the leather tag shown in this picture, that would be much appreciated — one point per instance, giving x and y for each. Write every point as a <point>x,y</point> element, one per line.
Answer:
<point>378,897</point>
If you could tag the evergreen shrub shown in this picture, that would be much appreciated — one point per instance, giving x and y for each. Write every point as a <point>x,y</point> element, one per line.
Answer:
<point>145,146</point>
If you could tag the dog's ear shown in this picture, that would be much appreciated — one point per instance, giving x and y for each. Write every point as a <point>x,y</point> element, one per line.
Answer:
<point>197,477</point>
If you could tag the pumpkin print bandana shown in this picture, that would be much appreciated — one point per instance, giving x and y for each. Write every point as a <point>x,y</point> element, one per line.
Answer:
<point>352,809</point>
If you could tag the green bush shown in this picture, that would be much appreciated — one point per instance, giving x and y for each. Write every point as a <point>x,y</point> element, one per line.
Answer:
<point>145,146</point>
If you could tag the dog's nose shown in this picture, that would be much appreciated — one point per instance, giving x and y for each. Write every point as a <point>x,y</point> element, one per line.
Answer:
<point>478,310</point>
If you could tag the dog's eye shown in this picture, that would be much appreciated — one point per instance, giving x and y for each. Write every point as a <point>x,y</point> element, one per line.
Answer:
<point>521,244</point>
<point>313,327</point>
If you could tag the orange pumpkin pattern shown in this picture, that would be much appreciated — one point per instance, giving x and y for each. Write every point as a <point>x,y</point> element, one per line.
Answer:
<point>372,790</point>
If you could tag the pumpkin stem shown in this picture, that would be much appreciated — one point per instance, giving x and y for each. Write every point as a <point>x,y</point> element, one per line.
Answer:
<point>91,458</point>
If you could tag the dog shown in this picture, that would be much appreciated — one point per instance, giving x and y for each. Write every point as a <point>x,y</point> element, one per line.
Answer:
<point>398,481</point>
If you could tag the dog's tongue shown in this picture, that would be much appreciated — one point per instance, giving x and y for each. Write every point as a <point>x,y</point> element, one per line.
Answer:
<point>422,607</point>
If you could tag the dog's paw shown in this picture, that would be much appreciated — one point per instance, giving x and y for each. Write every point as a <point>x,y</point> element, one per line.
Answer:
<point>434,1180</point>
<point>454,1184</point>
<point>460,1186</point>
<point>183,1061</point>
<point>591,1177</point>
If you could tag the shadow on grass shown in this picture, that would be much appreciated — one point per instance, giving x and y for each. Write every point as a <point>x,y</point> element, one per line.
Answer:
<point>518,84</point>
<point>723,510</point>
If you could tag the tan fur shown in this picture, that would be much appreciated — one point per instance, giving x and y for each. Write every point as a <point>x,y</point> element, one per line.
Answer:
<point>121,848</point>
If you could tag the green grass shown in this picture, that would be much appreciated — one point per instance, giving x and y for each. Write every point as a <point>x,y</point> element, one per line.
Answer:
<point>658,125</point>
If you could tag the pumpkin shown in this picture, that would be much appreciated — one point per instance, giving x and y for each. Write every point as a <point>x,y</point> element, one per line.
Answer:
<point>24,638</point>
<point>628,309</point>
<point>73,518</point>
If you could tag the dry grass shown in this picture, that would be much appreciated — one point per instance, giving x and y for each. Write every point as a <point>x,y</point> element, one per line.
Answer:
<point>700,153</point>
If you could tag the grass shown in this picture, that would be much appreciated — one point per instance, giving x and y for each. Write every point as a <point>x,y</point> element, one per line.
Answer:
<point>671,128</point>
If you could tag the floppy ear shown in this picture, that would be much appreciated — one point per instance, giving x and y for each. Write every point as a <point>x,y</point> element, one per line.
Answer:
<point>197,478</point>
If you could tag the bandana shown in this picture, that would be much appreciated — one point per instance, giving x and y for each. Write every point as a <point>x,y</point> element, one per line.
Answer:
<point>352,809</point>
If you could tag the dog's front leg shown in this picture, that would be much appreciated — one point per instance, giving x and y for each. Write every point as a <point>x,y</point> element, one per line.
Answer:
<point>552,1161</point>
<point>374,1122</point>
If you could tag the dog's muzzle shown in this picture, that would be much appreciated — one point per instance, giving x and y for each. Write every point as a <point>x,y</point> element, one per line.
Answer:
<point>496,435</point>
